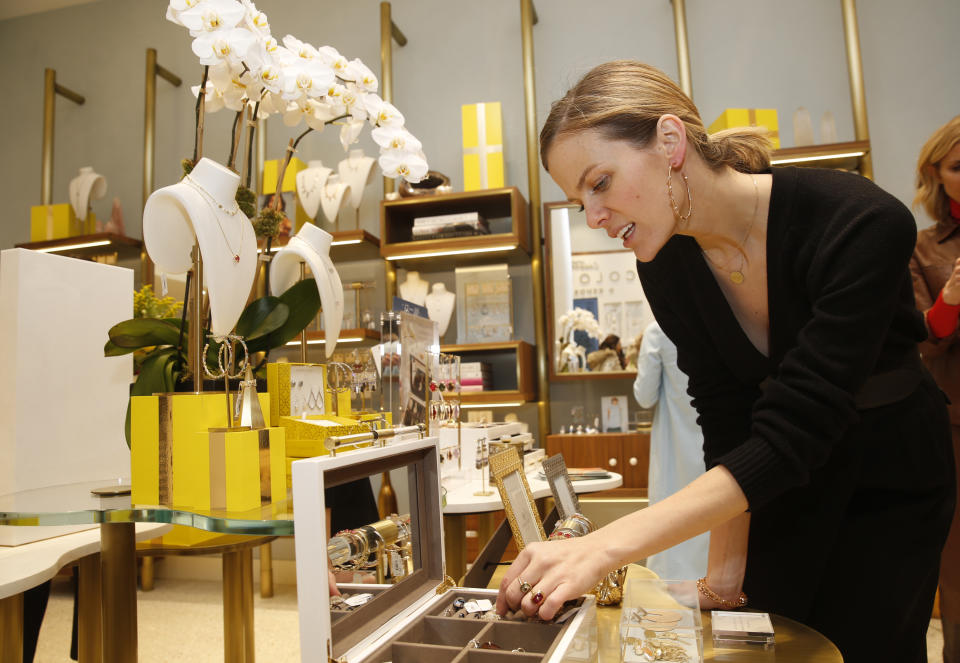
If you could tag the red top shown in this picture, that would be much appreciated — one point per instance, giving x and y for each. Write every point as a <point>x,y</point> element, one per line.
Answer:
<point>942,317</point>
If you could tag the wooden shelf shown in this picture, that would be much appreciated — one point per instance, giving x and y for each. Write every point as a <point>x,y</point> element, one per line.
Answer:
<point>103,244</point>
<point>593,375</point>
<point>496,396</point>
<point>847,156</point>
<point>495,205</point>
<point>520,355</point>
<point>366,337</point>
<point>348,245</point>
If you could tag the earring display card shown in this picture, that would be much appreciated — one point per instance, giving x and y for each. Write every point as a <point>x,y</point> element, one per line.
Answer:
<point>484,304</point>
<point>733,628</point>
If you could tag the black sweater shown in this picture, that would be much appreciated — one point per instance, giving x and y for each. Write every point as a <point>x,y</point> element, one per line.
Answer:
<point>841,310</point>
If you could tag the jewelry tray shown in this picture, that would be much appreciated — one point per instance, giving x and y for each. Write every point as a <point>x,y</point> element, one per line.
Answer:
<point>404,623</point>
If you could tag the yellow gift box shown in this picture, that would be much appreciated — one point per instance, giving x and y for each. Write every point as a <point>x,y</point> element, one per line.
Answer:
<point>305,437</point>
<point>58,221</point>
<point>279,386</point>
<point>749,117</point>
<point>238,469</point>
<point>164,453</point>
<point>482,146</point>
<point>271,171</point>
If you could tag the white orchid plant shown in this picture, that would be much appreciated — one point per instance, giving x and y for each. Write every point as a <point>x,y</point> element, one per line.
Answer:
<point>570,355</point>
<point>247,71</point>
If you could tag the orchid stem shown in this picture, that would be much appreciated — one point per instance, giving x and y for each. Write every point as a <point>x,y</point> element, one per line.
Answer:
<point>235,134</point>
<point>283,169</point>
<point>201,101</point>
<point>251,131</point>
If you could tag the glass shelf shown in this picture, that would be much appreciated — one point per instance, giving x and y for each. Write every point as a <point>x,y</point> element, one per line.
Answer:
<point>74,504</point>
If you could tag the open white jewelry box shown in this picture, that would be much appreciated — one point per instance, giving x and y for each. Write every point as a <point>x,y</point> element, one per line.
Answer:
<point>405,622</point>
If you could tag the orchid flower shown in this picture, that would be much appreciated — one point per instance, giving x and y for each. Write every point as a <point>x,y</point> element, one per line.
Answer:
<point>211,15</point>
<point>350,132</point>
<point>395,138</point>
<point>224,45</point>
<point>359,73</point>
<point>408,165</point>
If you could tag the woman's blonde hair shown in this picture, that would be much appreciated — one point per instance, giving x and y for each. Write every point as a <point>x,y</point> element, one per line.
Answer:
<point>625,100</point>
<point>930,193</point>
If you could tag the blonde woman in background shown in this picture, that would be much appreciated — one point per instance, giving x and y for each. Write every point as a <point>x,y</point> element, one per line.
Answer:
<point>936,285</point>
<point>788,295</point>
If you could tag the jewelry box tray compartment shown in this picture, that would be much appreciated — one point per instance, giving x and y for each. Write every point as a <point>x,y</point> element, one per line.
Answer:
<point>433,638</point>
<point>352,589</point>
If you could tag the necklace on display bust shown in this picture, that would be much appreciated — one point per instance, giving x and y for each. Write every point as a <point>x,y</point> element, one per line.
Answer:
<point>211,203</point>
<point>736,276</point>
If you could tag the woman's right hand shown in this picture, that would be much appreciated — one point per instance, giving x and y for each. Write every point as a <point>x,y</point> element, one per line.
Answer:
<point>951,289</point>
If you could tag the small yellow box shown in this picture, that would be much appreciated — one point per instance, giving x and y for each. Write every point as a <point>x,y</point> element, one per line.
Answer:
<point>271,171</point>
<point>749,117</point>
<point>305,437</point>
<point>58,221</point>
<point>482,146</point>
<point>242,469</point>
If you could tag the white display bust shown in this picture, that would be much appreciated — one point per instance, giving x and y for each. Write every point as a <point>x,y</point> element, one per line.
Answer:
<point>310,184</point>
<point>414,289</point>
<point>312,246</point>
<point>86,187</point>
<point>440,303</point>
<point>333,194</point>
<point>202,209</point>
<point>356,171</point>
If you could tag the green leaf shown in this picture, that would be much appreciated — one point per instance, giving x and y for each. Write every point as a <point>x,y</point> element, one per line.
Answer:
<point>144,332</point>
<point>110,349</point>
<point>261,317</point>
<point>303,300</point>
<point>156,376</point>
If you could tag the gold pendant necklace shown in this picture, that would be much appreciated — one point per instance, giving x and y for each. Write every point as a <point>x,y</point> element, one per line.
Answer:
<point>211,201</point>
<point>736,276</point>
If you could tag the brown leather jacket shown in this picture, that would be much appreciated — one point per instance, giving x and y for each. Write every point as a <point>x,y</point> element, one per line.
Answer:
<point>937,249</point>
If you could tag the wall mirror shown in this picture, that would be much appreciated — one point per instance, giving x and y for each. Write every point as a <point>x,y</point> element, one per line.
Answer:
<point>587,270</point>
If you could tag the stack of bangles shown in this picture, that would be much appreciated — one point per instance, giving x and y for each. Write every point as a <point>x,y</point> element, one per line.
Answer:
<point>739,602</point>
<point>575,525</point>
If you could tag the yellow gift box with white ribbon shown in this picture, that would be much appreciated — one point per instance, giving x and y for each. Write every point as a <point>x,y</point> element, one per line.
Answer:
<point>482,146</point>
<point>749,117</point>
<point>271,170</point>
<point>58,221</point>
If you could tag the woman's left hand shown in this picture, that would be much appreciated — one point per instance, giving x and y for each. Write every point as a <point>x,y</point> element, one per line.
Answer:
<point>557,571</point>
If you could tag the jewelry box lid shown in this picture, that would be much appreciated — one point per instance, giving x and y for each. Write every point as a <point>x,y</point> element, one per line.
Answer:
<point>320,638</point>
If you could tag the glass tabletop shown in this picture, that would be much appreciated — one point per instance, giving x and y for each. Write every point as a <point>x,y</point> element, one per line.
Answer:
<point>75,504</point>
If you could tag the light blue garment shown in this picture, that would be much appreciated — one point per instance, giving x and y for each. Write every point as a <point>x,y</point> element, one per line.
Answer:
<point>676,446</point>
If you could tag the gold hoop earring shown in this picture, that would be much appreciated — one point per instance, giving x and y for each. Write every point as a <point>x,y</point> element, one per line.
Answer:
<point>673,201</point>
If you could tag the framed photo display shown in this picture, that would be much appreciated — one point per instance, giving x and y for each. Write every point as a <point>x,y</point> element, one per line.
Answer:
<point>506,469</point>
<point>484,304</point>
<point>555,469</point>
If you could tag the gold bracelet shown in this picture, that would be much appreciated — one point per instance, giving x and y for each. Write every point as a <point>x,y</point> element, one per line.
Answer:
<point>740,602</point>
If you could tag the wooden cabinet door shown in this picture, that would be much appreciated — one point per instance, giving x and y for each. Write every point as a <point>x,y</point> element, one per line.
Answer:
<point>610,451</point>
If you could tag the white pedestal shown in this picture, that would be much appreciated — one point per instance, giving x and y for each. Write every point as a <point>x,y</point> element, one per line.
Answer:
<point>62,403</point>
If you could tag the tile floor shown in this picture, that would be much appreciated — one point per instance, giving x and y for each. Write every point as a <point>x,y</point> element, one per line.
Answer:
<point>182,620</point>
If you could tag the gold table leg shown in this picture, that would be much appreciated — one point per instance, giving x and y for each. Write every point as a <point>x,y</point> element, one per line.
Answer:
<point>246,600</point>
<point>232,608</point>
<point>455,544</point>
<point>266,571</point>
<point>238,641</point>
<point>118,565</point>
<point>11,628</point>
<point>89,611</point>
<point>146,573</point>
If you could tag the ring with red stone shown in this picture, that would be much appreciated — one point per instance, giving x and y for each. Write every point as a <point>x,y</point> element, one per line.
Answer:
<point>537,598</point>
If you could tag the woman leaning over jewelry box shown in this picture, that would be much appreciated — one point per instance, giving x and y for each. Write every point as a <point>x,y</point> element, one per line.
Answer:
<point>936,285</point>
<point>830,482</point>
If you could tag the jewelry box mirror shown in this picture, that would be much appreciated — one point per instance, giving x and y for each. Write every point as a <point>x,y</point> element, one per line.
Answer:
<point>423,617</point>
<point>586,269</point>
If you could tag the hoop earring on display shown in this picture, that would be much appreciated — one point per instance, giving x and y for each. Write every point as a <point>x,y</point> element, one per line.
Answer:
<point>673,201</point>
